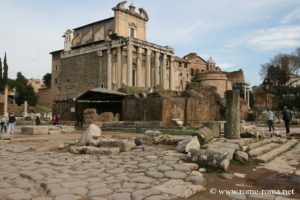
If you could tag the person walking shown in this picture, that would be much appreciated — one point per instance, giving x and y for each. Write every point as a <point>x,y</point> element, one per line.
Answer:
<point>11,123</point>
<point>287,117</point>
<point>37,120</point>
<point>3,123</point>
<point>270,120</point>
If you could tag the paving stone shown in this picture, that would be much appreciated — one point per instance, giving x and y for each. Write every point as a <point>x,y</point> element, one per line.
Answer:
<point>148,164</point>
<point>10,190</point>
<point>154,174</point>
<point>58,191</point>
<point>42,198</point>
<point>182,168</point>
<point>19,196</point>
<point>192,166</point>
<point>175,174</point>
<point>67,197</point>
<point>82,191</point>
<point>97,186</point>
<point>142,179</point>
<point>196,180</point>
<point>100,192</point>
<point>158,197</point>
<point>129,185</point>
<point>179,188</point>
<point>121,196</point>
<point>163,168</point>
<point>73,184</point>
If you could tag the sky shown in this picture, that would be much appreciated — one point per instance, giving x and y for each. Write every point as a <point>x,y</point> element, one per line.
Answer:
<point>237,34</point>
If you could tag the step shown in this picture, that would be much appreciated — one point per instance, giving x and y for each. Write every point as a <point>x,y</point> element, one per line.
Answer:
<point>259,143</point>
<point>275,152</point>
<point>263,149</point>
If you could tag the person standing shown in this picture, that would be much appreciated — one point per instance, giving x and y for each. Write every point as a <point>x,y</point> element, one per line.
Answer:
<point>11,123</point>
<point>270,119</point>
<point>53,120</point>
<point>287,117</point>
<point>3,123</point>
<point>57,118</point>
<point>37,120</point>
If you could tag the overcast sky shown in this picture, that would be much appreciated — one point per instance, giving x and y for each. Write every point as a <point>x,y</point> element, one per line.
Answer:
<point>237,34</point>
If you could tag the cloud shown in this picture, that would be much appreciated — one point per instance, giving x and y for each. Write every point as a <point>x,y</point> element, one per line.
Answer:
<point>294,15</point>
<point>225,65</point>
<point>280,37</point>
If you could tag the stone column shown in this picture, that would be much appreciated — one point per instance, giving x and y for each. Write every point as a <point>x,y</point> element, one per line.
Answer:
<point>248,98</point>
<point>25,108</point>
<point>109,70</point>
<point>5,101</point>
<point>245,92</point>
<point>139,67</point>
<point>157,54</point>
<point>119,66</point>
<point>148,68</point>
<point>171,73</point>
<point>164,69</point>
<point>129,65</point>
<point>232,129</point>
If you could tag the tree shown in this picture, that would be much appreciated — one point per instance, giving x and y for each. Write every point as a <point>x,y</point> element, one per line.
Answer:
<point>47,79</point>
<point>5,71</point>
<point>24,91</point>
<point>1,79</point>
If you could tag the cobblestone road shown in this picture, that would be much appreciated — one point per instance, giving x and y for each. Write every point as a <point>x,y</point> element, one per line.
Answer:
<point>150,174</point>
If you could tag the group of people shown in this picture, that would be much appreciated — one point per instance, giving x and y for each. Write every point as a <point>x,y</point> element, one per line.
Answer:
<point>10,122</point>
<point>286,117</point>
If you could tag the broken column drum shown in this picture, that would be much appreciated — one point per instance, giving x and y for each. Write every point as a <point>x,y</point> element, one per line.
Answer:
<point>232,129</point>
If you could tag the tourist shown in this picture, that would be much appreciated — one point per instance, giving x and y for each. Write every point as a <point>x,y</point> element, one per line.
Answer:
<point>3,123</point>
<point>57,118</point>
<point>11,123</point>
<point>37,120</point>
<point>270,119</point>
<point>287,117</point>
<point>54,120</point>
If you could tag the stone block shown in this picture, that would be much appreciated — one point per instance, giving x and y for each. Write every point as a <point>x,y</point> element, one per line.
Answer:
<point>210,158</point>
<point>67,129</point>
<point>241,156</point>
<point>184,146</point>
<point>35,130</point>
<point>94,150</point>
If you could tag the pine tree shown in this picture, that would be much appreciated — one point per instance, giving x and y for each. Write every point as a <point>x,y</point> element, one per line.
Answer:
<point>5,70</point>
<point>1,77</point>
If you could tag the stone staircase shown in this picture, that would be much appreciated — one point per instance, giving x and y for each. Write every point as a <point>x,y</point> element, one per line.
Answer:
<point>268,149</point>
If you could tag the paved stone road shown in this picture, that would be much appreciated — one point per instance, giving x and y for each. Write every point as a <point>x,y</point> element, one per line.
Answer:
<point>152,174</point>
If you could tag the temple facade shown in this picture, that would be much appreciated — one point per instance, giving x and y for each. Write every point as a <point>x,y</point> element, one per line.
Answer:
<point>114,52</point>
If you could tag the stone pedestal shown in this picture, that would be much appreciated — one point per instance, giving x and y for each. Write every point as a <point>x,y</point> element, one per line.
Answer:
<point>232,128</point>
<point>34,130</point>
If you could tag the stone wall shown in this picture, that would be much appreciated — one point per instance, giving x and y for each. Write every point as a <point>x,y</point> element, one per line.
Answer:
<point>44,97</point>
<point>193,107</point>
<point>148,109</point>
<point>79,74</point>
<point>243,109</point>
